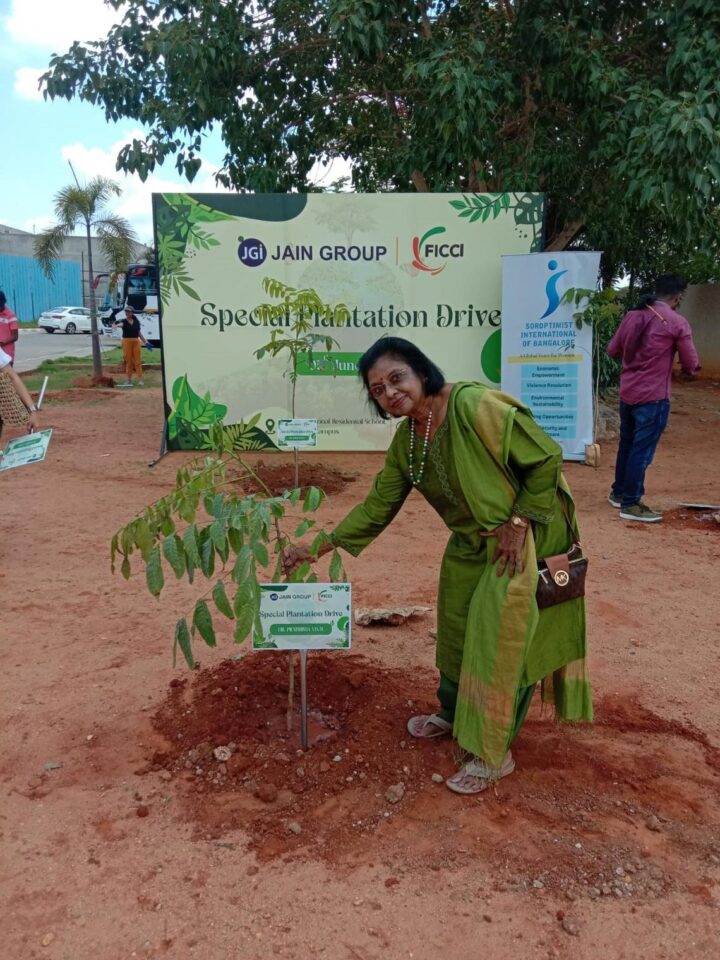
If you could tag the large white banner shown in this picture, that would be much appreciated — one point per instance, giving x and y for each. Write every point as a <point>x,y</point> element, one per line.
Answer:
<point>546,361</point>
<point>354,267</point>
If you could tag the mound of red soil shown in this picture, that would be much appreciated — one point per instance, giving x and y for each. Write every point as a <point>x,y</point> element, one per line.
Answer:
<point>705,520</point>
<point>86,383</point>
<point>79,393</point>
<point>280,477</point>
<point>589,809</point>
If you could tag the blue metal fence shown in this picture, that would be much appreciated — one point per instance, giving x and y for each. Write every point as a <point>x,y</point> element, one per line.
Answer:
<point>29,291</point>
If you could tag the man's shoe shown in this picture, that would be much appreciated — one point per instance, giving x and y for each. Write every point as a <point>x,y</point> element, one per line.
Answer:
<point>141,383</point>
<point>613,501</point>
<point>640,511</point>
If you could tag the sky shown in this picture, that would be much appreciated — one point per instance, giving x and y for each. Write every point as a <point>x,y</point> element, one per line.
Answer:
<point>39,137</point>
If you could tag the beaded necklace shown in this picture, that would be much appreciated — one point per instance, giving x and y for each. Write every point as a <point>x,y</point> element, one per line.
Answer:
<point>416,479</point>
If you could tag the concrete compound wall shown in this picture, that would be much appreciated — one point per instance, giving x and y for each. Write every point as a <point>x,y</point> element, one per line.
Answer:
<point>701,306</point>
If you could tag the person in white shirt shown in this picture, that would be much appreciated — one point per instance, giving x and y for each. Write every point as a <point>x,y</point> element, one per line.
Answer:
<point>22,391</point>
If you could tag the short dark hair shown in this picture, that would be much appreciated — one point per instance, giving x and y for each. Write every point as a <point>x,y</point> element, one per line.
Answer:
<point>669,285</point>
<point>429,373</point>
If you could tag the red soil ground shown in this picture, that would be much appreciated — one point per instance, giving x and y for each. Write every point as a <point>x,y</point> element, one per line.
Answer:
<point>124,836</point>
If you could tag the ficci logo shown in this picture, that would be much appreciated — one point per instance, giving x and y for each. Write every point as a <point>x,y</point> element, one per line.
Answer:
<point>426,255</point>
<point>251,252</point>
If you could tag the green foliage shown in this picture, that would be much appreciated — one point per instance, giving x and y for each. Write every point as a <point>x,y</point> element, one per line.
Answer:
<point>204,528</point>
<point>526,209</point>
<point>298,311</point>
<point>481,207</point>
<point>602,310</point>
<point>610,108</point>
<point>179,219</point>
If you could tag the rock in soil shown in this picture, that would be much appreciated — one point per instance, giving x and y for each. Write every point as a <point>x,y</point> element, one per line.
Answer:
<point>570,926</point>
<point>395,793</point>
<point>267,792</point>
<point>294,827</point>
<point>393,616</point>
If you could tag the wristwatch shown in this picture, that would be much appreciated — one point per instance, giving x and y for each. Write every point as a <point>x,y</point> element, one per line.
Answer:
<point>34,409</point>
<point>517,521</point>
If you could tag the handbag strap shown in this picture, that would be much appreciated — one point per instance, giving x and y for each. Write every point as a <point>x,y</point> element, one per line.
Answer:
<point>575,540</point>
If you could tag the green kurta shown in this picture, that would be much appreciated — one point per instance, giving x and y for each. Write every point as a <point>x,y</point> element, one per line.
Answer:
<point>488,459</point>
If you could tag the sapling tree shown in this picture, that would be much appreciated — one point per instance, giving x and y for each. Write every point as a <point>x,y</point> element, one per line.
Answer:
<point>208,527</point>
<point>299,311</point>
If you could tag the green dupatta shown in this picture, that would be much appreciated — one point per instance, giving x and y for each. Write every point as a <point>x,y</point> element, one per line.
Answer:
<point>494,656</point>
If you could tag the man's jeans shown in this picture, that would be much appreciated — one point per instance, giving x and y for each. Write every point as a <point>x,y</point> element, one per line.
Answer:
<point>641,426</point>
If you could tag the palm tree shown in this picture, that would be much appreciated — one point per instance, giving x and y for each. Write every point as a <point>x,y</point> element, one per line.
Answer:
<point>87,205</point>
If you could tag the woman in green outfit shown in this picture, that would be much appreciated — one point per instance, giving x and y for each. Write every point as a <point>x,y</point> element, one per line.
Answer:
<point>494,476</point>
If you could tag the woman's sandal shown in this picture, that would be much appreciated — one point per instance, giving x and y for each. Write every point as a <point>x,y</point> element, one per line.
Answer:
<point>428,726</point>
<point>477,776</point>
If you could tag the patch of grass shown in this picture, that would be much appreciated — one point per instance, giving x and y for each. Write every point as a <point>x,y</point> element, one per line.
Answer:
<point>61,371</point>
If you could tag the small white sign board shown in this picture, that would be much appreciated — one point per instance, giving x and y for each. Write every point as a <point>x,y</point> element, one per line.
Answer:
<point>304,616</point>
<point>22,450</point>
<point>297,433</point>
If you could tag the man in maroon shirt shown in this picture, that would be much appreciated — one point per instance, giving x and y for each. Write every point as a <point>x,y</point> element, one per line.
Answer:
<point>646,341</point>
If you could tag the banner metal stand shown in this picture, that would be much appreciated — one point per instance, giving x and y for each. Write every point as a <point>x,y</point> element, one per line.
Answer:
<point>163,446</point>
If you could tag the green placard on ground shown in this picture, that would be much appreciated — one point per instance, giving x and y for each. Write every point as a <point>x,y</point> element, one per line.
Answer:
<point>24,450</point>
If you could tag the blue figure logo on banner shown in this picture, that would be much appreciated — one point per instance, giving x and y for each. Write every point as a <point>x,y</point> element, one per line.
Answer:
<point>553,296</point>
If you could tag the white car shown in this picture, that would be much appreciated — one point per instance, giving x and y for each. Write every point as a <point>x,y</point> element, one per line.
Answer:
<point>67,319</point>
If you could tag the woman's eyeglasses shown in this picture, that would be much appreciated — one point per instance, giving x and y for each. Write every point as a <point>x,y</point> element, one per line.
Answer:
<point>394,380</point>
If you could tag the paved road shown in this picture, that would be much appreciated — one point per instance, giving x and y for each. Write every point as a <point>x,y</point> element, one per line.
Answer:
<point>34,346</point>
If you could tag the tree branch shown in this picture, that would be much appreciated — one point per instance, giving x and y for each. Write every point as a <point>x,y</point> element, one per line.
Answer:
<point>566,236</point>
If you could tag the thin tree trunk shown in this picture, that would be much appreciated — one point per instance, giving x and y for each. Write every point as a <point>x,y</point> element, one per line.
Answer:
<point>94,333</point>
<point>291,655</point>
<point>419,182</point>
<point>296,459</point>
<point>291,691</point>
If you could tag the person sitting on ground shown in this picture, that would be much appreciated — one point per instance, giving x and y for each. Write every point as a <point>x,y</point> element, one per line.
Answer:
<point>646,342</point>
<point>132,337</point>
<point>494,476</point>
<point>21,391</point>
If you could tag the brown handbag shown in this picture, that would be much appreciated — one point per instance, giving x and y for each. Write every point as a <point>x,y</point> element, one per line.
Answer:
<point>561,577</point>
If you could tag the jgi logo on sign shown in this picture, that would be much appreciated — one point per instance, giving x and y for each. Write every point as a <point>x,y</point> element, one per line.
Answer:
<point>252,252</point>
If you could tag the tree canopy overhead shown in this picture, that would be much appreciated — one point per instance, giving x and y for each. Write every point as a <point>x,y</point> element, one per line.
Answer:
<point>612,107</point>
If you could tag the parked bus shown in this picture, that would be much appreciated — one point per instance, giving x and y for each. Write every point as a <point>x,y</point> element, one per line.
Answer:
<point>138,287</point>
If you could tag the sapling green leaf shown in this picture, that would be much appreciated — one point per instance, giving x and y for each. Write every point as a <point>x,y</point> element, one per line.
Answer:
<point>182,640</point>
<point>222,601</point>
<point>202,622</point>
<point>154,572</point>
<point>174,554</point>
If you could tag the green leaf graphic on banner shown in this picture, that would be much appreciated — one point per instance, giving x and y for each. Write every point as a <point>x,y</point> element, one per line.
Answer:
<point>490,356</point>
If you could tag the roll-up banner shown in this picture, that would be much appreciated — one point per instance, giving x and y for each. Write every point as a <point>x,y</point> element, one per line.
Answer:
<point>426,267</point>
<point>546,360</point>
